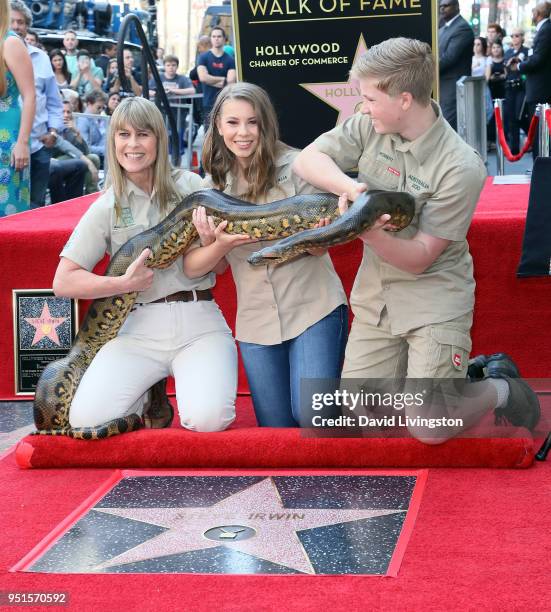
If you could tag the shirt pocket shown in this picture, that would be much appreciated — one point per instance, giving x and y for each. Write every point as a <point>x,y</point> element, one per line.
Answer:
<point>120,236</point>
<point>378,175</point>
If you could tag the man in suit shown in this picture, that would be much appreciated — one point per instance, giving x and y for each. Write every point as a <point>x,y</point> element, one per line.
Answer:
<point>455,51</point>
<point>537,66</point>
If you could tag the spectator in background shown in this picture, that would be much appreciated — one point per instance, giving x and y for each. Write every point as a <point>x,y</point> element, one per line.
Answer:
<point>537,66</point>
<point>108,52</point>
<point>159,55</point>
<point>514,90</point>
<point>111,76</point>
<point>174,84</point>
<point>495,34</point>
<point>71,145</point>
<point>59,66</point>
<point>479,64</point>
<point>86,79</point>
<point>113,101</point>
<point>132,75</point>
<point>70,44</point>
<point>48,117</point>
<point>71,96</point>
<point>33,39</point>
<point>495,75</point>
<point>93,130</point>
<point>455,48</point>
<point>215,69</point>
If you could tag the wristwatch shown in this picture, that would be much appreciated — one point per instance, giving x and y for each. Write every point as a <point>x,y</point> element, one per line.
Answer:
<point>53,131</point>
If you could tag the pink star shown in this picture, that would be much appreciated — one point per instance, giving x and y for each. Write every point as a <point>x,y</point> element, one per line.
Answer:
<point>258,507</point>
<point>343,96</point>
<point>45,325</point>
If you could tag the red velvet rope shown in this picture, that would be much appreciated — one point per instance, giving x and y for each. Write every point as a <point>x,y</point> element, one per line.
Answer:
<point>548,119</point>
<point>503,140</point>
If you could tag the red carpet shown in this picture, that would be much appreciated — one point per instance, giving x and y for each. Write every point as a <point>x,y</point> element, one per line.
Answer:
<point>481,541</point>
<point>248,446</point>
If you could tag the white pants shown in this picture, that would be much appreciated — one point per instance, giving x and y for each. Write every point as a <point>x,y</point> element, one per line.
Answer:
<point>188,340</point>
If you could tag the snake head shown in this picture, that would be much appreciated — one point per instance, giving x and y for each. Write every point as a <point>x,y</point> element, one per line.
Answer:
<point>264,256</point>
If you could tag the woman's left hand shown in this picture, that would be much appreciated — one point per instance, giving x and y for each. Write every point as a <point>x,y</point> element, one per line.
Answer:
<point>20,155</point>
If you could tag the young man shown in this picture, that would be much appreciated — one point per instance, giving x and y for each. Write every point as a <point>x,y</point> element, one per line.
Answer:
<point>173,83</point>
<point>413,296</point>
<point>216,69</point>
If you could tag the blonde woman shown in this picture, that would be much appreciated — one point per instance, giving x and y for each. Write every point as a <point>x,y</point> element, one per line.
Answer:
<point>16,79</point>
<point>175,328</point>
<point>292,320</point>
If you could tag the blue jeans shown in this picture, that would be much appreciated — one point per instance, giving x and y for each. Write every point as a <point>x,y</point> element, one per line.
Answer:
<point>274,372</point>
<point>40,174</point>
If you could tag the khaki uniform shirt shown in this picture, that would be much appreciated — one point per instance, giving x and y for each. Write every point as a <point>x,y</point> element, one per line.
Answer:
<point>100,231</point>
<point>446,176</point>
<point>278,302</point>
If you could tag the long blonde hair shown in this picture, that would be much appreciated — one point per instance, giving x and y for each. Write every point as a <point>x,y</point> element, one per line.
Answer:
<point>4,27</point>
<point>141,114</point>
<point>218,160</point>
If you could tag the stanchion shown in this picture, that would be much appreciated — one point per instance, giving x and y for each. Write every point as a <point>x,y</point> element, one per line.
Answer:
<point>498,106</point>
<point>544,128</point>
<point>502,146</point>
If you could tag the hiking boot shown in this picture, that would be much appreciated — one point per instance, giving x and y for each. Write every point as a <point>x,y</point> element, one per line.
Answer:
<point>498,365</point>
<point>522,408</point>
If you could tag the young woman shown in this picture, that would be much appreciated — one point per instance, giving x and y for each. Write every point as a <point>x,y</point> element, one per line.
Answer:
<point>292,319</point>
<point>113,100</point>
<point>16,79</point>
<point>59,66</point>
<point>175,327</point>
<point>496,72</point>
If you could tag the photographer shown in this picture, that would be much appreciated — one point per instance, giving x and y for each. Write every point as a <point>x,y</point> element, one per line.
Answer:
<point>514,91</point>
<point>85,80</point>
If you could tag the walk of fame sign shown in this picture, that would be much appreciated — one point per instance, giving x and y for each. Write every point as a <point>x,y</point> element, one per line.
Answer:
<point>254,524</point>
<point>301,52</point>
<point>44,329</point>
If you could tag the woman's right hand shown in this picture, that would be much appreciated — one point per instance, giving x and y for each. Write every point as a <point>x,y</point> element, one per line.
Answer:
<point>138,277</point>
<point>20,155</point>
<point>204,225</point>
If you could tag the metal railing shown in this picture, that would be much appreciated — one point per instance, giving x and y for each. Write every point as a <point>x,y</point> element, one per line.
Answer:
<point>147,60</point>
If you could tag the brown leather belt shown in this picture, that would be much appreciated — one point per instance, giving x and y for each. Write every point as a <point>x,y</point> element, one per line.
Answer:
<point>198,295</point>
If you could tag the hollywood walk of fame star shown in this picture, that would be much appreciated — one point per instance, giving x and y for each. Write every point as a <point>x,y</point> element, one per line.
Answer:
<point>343,96</point>
<point>258,507</point>
<point>45,325</point>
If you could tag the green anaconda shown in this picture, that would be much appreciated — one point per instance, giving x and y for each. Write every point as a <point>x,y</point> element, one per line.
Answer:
<point>169,240</point>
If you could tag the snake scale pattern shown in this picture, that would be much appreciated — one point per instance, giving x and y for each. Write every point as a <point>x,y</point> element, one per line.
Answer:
<point>290,221</point>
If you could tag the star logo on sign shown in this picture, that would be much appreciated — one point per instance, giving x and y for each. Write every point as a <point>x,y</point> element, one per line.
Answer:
<point>343,96</point>
<point>269,529</point>
<point>45,325</point>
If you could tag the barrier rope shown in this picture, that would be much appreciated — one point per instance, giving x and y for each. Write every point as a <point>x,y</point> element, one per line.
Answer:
<point>548,119</point>
<point>503,141</point>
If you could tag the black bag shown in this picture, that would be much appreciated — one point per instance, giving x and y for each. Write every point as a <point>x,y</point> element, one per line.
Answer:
<point>536,247</point>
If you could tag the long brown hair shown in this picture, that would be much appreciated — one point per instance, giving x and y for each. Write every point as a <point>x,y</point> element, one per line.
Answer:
<point>140,113</point>
<point>4,27</point>
<point>218,160</point>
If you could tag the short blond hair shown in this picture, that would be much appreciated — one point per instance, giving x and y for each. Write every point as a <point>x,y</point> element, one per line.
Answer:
<point>399,65</point>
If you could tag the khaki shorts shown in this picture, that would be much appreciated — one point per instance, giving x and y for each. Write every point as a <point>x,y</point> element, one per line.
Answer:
<point>440,350</point>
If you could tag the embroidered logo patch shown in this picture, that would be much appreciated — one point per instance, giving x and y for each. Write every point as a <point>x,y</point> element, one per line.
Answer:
<point>126,219</point>
<point>457,360</point>
<point>393,171</point>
